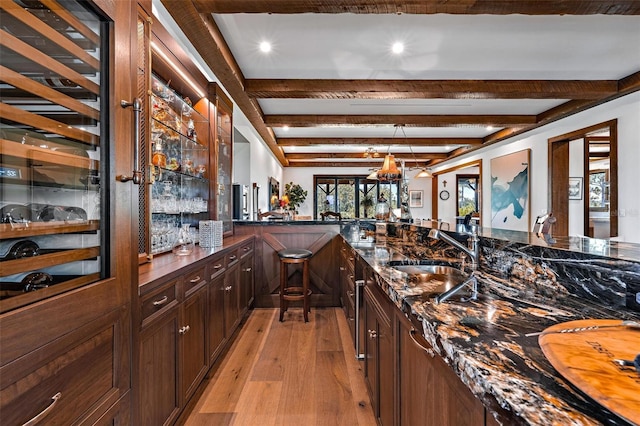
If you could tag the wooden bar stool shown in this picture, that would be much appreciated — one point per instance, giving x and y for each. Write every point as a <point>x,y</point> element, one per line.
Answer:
<point>291,293</point>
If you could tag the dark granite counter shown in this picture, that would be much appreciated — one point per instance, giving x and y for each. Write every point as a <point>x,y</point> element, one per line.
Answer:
<point>522,290</point>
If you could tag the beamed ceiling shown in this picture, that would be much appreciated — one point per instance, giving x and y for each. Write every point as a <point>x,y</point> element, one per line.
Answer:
<point>473,73</point>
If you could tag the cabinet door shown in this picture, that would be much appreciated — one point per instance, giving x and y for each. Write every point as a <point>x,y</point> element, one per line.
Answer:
<point>216,316</point>
<point>231,299</point>
<point>158,364</point>
<point>416,383</point>
<point>194,358</point>
<point>379,373</point>
<point>246,282</point>
<point>429,391</point>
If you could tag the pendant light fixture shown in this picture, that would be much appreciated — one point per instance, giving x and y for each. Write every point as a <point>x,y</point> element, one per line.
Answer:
<point>389,171</point>
<point>424,173</point>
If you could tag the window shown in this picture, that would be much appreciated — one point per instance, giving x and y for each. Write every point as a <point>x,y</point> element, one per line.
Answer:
<point>352,196</point>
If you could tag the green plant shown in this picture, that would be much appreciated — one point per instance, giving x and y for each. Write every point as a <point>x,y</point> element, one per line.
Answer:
<point>296,195</point>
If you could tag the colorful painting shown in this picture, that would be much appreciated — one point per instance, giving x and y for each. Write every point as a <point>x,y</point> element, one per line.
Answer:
<point>510,191</point>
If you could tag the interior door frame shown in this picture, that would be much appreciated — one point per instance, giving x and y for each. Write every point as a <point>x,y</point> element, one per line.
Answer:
<point>558,177</point>
<point>434,186</point>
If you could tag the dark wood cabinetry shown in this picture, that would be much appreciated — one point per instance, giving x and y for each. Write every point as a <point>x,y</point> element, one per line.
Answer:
<point>429,392</point>
<point>246,277</point>
<point>194,360</point>
<point>231,293</point>
<point>188,311</point>
<point>216,328</point>
<point>378,351</point>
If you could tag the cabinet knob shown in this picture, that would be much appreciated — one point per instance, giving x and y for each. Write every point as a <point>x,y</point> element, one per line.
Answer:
<point>228,288</point>
<point>184,330</point>
<point>342,268</point>
<point>350,293</point>
<point>247,269</point>
<point>160,302</point>
<point>372,334</point>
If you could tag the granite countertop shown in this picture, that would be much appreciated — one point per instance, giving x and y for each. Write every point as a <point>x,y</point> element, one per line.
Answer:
<point>485,341</point>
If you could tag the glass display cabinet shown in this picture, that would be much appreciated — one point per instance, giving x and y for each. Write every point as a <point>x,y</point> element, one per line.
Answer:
<point>52,152</point>
<point>179,165</point>
<point>222,157</point>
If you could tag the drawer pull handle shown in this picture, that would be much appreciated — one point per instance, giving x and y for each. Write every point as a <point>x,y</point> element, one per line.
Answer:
<point>351,276</point>
<point>43,413</point>
<point>372,334</point>
<point>247,269</point>
<point>160,302</point>
<point>195,280</point>
<point>342,268</point>
<point>430,351</point>
<point>233,257</point>
<point>218,266</point>
<point>351,259</point>
<point>228,288</point>
<point>350,293</point>
<point>246,249</point>
<point>184,330</point>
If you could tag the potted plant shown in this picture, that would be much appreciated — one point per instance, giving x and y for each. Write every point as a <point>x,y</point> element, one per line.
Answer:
<point>296,195</point>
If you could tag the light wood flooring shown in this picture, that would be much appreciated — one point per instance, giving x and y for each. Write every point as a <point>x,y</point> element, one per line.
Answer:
<point>288,373</point>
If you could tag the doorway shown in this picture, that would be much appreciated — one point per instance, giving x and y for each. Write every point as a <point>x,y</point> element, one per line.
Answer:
<point>583,181</point>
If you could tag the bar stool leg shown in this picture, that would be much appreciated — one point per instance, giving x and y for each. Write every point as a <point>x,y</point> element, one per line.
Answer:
<point>283,281</point>
<point>305,289</point>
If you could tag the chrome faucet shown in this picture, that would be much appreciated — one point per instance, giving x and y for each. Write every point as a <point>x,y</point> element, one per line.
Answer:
<point>473,250</point>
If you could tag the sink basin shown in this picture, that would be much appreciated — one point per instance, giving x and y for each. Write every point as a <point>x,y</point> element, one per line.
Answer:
<point>432,278</point>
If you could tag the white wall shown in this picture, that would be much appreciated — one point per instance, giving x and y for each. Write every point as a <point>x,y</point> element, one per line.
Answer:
<point>626,110</point>
<point>263,164</point>
<point>576,169</point>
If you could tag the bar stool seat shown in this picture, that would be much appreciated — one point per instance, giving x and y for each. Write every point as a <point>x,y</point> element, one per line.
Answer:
<point>294,293</point>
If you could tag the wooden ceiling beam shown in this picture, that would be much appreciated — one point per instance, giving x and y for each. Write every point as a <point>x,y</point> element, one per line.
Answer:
<point>492,7</point>
<point>206,38</point>
<point>406,120</point>
<point>429,89</point>
<point>379,141</point>
<point>358,155</point>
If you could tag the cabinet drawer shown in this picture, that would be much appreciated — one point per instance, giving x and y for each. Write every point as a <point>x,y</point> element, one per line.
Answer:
<point>159,301</point>
<point>232,257</point>
<point>194,280</point>
<point>246,249</point>
<point>67,380</point>
<point>216,267</point>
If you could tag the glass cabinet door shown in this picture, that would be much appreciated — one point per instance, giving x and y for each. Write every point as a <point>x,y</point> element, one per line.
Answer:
<point>179,158</point>
<point>52,150</point>
<point>223,157</point>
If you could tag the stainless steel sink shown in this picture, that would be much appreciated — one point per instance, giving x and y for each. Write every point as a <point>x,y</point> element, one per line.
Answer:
<point>432,281</point>
<point>431,277</point>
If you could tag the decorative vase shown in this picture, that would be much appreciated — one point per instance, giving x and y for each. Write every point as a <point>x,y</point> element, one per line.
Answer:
<point>184,243</point>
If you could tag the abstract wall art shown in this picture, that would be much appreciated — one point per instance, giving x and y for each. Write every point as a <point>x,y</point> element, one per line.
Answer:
<point>510,191</point>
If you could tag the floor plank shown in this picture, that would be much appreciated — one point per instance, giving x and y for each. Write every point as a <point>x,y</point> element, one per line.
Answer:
<point>287,373</point>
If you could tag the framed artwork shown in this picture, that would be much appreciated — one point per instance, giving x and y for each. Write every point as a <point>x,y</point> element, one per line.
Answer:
<point>510,191</point>
<point>415,198</point>
<point>575,188</point>
<point>274,193</point>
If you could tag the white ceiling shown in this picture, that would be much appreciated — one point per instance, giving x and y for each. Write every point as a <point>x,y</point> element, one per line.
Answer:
<point>437,47</point>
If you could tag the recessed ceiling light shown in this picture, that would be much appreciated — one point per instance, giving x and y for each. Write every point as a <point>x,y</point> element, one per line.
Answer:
<point>489,127</point>
<point>285,128</point>
<point>397,48</point>
<point>265,46</point>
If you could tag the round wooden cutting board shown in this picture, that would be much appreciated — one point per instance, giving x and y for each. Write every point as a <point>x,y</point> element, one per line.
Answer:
<point>586,358</point>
